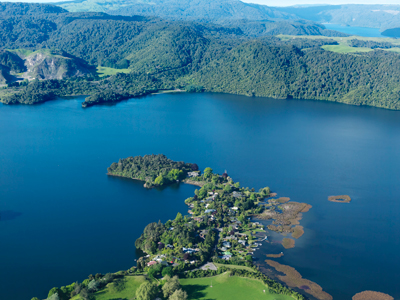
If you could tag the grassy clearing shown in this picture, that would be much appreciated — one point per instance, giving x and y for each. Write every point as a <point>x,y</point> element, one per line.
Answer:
<point>343,46</point>
<point>345,49</point>
<point>128,293</point>
<point>131,285</point>
<point>225,287</point>
<point>104,71</point>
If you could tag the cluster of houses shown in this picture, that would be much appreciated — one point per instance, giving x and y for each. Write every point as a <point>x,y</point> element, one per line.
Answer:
<point>159,259</point>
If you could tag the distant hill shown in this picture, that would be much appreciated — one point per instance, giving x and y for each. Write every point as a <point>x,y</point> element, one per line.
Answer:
<point>159,54</point>
<point>252,19</point>
<point>7,10</point>
<point>204,10</point>
<point>393,32</point>
<point>374,16</point>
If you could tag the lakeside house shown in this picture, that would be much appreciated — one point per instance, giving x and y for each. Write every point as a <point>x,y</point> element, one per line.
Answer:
<point>188,250</point>
<point>150,263</point>
<point>203,233</point>
<point>237,194</point>
<point>194,174</point>
<point>207,211</point>
<point>243,242</point>
<point>226,244</point>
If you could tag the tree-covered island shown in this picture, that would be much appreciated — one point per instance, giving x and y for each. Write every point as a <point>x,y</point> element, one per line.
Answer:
<point>155,170</point>
<point>214,244</point>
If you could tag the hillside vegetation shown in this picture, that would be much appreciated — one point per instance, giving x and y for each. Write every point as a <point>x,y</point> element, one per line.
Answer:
<point>253,19</point>
<point>374,16</point>
<point>166,55</point>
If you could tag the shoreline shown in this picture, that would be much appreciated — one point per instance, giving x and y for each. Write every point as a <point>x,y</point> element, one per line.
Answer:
<point>243,230</point>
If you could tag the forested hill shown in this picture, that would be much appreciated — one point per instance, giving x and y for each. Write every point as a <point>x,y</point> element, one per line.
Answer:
<point>375,16</point>
<point>18,9</point>
<point>180,9</point>
<point>252,19</point>
<point>258,69</point>
<point>159,54</point>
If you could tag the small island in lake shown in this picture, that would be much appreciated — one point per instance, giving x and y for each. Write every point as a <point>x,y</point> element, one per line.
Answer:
<point>155,170</point>
<point>340,199</point>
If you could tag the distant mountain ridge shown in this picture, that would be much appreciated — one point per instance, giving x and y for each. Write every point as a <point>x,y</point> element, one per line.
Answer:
<point>374,16</point>
<point>252,19</point>
<point>204,10</point>
<point>155,54</point>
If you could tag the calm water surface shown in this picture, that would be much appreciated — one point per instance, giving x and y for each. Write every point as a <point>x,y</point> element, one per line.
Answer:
<point>360,31</point>
<point>62,218</point>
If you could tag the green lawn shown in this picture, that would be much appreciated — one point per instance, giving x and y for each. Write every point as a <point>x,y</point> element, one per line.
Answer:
<point>131,285</point>
<point>104,71</point>
<point>228,288</point>
<point>128,293</point>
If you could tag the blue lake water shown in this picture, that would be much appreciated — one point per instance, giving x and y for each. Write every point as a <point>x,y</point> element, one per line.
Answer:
<point>62,218</point>
<point>360,31</point>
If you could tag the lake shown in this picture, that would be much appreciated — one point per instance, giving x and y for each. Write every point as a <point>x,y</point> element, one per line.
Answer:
<point>63,218</point>
<point>352,30</point>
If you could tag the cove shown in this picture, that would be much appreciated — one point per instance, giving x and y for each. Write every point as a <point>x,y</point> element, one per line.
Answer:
<point>72,220</point>
<point>353,30</point>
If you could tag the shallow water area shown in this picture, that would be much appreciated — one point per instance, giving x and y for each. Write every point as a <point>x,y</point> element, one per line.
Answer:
<point>73,220</point>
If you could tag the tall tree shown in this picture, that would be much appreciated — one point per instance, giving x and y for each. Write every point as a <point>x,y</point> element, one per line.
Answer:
<point>146,291</point>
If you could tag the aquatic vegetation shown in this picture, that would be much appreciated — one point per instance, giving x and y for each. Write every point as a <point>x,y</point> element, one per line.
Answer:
<point>294,280</point>
<point>298,231</point>
<point>286,216</point>
<point>275,255</point>
<point>288,243</point>
<point>340,199</point>
<point>371,295</point>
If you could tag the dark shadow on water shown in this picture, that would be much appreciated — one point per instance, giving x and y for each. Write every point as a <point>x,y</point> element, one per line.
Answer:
<point>8,215</point>
<point>125,180</point>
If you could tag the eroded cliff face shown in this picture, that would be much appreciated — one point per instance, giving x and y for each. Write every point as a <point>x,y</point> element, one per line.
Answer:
<point>43,64</point>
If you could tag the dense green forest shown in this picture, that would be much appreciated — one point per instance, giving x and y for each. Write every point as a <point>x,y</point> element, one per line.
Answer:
<point>156,170</point>
<point>371,44</point>
<point>257,20</point>
<point>164,55</point>
<point>377,15</point>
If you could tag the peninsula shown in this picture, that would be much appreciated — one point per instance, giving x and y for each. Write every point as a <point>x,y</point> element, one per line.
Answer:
<point>214,243</point>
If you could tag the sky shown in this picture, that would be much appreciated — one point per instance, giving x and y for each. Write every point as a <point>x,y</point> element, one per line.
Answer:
<point>298,2</point>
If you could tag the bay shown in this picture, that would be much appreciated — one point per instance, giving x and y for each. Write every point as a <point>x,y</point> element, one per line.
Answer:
<point>63,218</point>
<point>353,30</point>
